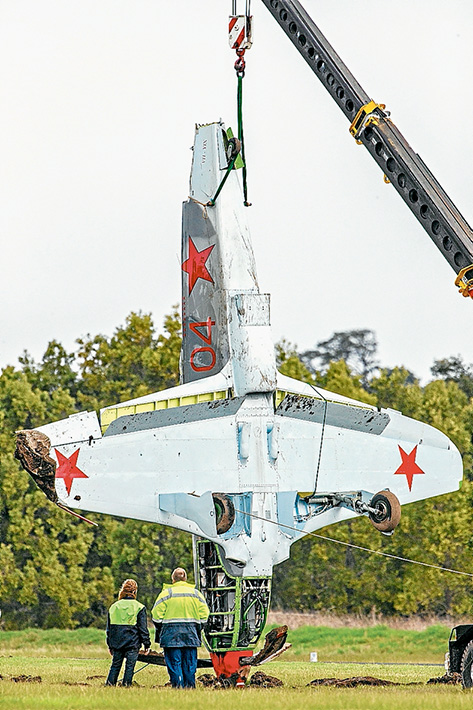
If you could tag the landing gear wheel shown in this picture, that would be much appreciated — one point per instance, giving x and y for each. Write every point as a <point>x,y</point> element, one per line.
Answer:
<point>225,512</point>
<point>466,666</point>
<point>233,148</point>
<point>389,511</point>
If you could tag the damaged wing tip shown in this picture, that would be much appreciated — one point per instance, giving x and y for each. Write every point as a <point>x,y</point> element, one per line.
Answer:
<point>32,451</point>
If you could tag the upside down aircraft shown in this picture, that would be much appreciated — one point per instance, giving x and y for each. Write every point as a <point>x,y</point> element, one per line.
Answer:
<point>244,458</point>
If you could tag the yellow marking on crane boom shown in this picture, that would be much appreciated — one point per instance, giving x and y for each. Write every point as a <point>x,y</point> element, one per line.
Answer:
<point>366,115</point>
<point>465,286</point>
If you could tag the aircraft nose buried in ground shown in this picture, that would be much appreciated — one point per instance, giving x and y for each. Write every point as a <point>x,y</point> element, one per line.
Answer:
<point>242,457</point>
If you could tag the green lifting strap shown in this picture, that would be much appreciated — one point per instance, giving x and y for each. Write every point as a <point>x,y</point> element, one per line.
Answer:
<point>239,160</point>
<point>240,137</point>
<point>212,202</point>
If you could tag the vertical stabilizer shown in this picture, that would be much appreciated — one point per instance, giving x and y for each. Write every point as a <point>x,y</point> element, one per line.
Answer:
<point>225,318</point>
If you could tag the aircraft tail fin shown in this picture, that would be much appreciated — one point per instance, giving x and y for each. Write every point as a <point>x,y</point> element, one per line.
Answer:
<point>225,318</point>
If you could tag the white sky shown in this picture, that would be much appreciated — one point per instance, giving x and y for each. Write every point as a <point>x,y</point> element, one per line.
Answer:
<point>98,100</point>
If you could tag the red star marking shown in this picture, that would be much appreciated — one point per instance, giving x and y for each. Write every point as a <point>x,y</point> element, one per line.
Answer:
<point>67,469</point>
<point>408,468</point>
<point>194,265</point>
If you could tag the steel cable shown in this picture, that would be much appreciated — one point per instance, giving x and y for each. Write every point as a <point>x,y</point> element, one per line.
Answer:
<point>357,547</point>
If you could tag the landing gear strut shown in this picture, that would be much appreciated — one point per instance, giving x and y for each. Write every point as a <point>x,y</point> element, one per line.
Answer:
<point>383,508</point>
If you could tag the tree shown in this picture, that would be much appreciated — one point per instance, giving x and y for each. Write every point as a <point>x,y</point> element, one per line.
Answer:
<point>339,379</point>
<point>395,389</point>
<point>56,570</point>
<point>45,581</point>
<point>132,363</point>
<point>453,369</point>
<point>149,553</point>
<point>54,372</point>
<point>289,363</point>
<point>357,348</point>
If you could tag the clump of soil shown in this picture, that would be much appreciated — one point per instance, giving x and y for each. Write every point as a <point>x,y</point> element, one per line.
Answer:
<point>69,682</point>
<point>26,679</point>
<point>258,679</point>
<point>262,680</point>
<point>93,677</point>
<point>447,679</point>
<point>32,451</point>
<point>209,680</point>
<point>351,682</point>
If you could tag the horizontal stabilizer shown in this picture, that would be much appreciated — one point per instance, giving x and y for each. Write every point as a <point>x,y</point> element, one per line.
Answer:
<point>130,423</point>
<point>334,414</point>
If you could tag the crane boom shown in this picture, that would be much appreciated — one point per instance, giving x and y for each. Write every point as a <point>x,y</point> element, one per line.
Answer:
<point>371,126</point>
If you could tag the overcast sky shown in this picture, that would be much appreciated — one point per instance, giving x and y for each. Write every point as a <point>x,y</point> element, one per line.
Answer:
<point>98,104</point>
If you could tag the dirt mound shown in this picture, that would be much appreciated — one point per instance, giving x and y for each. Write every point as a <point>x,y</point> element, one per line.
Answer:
<point>209,680</point>
<point>262,680</point>
<point>351,682</point>
<point>70,682</point>
<point>26,679</point>
<point>258,680</point>
<point>93,677</point>
<point>32,451</point>
<point>447,679</point>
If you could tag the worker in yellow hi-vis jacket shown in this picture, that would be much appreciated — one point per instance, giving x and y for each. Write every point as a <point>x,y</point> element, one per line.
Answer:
<point>127,630</point>
<point>178,615</point>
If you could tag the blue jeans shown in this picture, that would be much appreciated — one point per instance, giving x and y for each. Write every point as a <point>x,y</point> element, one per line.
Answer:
<point>181,662</point>
<point>131,655</point>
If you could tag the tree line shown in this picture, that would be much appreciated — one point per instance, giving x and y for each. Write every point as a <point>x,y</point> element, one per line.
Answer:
<point>58,571</point>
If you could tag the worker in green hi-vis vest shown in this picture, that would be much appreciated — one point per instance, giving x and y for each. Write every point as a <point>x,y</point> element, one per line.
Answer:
<point>127,631</point>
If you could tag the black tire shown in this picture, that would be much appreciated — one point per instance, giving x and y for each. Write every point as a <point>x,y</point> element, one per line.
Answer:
<point>466,666</point>
<point>389,515</point>
<point>225,511</point>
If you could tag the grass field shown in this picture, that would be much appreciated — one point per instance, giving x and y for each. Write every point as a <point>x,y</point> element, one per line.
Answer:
<point>73,666</point>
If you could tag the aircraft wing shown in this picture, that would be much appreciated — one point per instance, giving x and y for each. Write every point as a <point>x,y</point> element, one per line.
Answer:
<point>166,465</point>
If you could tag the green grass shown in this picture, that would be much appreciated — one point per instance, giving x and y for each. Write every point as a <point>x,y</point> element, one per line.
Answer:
<point>375,643</point>
<point>58,692</point>
<point>68,660</point>
<point>54,643</point>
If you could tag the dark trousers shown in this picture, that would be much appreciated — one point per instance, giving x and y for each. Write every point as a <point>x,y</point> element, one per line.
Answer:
<point>181,663</point>
<point>131,655</point>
